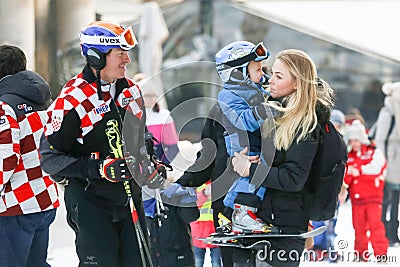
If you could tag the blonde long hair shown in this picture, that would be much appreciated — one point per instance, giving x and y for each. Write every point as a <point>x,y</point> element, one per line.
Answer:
<point>298,109</point>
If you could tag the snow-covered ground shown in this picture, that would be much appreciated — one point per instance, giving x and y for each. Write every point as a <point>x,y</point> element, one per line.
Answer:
<point>62,249</point>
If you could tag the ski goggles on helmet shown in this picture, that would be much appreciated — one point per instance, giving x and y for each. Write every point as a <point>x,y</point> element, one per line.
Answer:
<point>258,53</point>
<point>126,40</point>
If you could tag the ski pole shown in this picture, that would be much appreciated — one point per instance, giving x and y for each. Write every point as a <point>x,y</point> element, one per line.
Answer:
<point>161,209</point>
<point>149,142</point>
<point>116,146</point>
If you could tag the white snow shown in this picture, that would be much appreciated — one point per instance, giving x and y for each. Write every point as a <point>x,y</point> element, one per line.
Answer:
<point>62,249</point>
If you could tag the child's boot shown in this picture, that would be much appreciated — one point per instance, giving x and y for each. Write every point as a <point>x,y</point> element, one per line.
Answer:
<point>245,220</point>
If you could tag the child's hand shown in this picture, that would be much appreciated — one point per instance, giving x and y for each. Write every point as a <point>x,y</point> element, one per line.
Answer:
<point>353,171</point>
<point>254,159</point>
<point>343,195</point>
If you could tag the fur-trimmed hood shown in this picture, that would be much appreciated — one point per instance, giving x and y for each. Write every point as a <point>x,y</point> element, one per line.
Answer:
<point>323,112</point>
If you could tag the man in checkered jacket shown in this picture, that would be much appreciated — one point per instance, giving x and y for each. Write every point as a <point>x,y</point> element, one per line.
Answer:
<point>28,196</point>
<point>82,144</point>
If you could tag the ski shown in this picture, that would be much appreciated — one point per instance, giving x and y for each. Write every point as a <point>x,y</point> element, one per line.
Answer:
<point>258,245</point>
<point>231,238</point>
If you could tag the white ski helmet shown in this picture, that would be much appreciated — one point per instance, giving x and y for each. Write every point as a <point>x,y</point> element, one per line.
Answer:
<point>232,60</point>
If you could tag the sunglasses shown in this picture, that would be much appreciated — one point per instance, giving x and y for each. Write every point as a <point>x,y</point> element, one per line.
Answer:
<point>126,40</point>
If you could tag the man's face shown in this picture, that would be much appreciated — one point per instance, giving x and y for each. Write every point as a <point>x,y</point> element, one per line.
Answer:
<point>116,62</point>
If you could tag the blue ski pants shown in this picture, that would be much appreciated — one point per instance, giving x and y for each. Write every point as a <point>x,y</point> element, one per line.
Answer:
<point>25,239</point>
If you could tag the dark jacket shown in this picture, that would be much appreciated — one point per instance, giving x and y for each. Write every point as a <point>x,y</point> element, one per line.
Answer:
<point>25,92</point>
<point>287,180</point>
<point>63,155</point>
<point>173,248</point>
<point>211,163</point>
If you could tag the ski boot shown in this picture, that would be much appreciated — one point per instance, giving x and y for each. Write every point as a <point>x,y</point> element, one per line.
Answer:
<point>245,220</point>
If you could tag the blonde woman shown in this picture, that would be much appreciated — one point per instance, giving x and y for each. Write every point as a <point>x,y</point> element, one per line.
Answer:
<point>304,100</point>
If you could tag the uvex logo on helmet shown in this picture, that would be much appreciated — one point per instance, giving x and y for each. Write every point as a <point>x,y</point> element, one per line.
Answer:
<point>109,41</point>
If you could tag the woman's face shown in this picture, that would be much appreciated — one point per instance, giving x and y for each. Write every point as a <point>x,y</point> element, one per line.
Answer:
<point>255,71</point>
<point>281,81</point>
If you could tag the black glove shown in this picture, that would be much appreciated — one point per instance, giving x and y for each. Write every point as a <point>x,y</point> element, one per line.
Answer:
<point>154,177</point>
<point>116,170</point>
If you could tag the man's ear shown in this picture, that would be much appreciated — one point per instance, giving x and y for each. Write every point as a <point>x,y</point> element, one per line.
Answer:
<point>96,59</point>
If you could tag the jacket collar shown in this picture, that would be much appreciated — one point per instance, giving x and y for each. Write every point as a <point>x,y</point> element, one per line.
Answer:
<point>88,76</point>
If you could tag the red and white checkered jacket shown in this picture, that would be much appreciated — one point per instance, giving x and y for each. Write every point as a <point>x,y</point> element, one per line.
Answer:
<point>82,97</point>
<point>75,134</point>
<point>25,187</point>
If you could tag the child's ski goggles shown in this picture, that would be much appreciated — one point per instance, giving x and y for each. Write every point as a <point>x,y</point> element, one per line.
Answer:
<point>258,53</point>
<point>126,40</point>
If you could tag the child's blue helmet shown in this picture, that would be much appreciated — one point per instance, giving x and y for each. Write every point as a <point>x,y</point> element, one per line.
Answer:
<point>232,60</point>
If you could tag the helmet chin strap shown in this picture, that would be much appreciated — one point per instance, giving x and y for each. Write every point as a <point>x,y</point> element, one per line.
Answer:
<point>98,82</point>
<point>263,81</point>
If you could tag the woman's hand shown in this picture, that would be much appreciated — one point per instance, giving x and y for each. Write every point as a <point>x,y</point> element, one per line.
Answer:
<point>241,162</point>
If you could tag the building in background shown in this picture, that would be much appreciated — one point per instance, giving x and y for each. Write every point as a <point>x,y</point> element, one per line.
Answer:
<point>355,55</point>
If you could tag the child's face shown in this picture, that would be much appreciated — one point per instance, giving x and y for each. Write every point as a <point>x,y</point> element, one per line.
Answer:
<point>355,144</point>
<point>255,71</point>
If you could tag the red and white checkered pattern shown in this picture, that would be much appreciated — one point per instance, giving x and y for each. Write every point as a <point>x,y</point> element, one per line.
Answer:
<point>78,94</point>
<point>25,187</point>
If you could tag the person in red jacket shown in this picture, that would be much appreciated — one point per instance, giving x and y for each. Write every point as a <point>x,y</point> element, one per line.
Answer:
<point>28,197</point>
<point>364,180</point>
<point>204,227</point>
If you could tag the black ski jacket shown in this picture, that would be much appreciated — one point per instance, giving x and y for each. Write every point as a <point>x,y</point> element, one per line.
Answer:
<point>171,244</point>
<point>287,181</point>
<point>212,161</point>
<point>75,141</point>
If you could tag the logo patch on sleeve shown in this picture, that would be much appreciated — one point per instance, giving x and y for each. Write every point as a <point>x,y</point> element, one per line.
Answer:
<point>25,107</point>
<point>102,109</point>
<point>2,121</point>
<point>56,123</point>
<point>126,100</point>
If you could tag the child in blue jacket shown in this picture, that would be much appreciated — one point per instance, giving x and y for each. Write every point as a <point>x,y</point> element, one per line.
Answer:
<point>239,65</point>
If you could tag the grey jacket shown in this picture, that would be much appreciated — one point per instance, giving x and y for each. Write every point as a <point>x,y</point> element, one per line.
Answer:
<point>387,139</point>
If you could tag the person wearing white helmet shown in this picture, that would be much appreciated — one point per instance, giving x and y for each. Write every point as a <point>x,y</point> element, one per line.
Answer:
<point>239,65</point>
<point>84,149</point>
<point>364,179</point>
